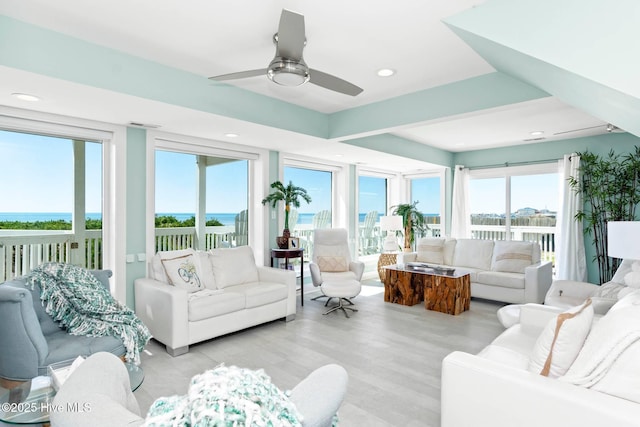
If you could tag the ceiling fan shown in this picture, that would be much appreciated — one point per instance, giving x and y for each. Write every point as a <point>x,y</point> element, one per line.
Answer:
<point>608,127</point>
<point>288,68</point>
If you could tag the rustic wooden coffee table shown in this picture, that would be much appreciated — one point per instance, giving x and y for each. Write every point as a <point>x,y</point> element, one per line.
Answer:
<point>444,292</point>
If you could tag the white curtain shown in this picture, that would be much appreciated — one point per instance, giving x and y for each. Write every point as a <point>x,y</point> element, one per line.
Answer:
<point>571,261</point>
<point>460,211</point>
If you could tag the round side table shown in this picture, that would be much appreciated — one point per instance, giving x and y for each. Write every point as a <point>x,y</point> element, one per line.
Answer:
<point>384,260</point>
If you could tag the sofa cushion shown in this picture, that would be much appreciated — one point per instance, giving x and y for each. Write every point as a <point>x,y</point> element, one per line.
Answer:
<point>260,293</point>
<point>338,276</point>
<point>201,261</point>
<point>505,280</point>
<point>183,273</point>
<point>512,257</point>
<point>205,305</point>
<point>505,356</point>
<point>234,266</point>
<point>473,253</point>
<point>561,340</point>
<point>332,263</point>
<point>430,250</point>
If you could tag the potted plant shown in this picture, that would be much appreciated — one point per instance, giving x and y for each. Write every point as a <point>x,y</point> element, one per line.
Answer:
<point>291,196</point>
<point>412,220</point>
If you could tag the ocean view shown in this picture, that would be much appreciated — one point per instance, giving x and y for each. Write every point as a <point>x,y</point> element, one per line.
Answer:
<point>224,218</point>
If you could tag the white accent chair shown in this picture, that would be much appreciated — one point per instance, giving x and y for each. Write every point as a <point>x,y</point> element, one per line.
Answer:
<point>333,270</point>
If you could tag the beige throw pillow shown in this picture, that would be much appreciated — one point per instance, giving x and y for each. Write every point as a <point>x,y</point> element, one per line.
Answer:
<point>561,341</point>
<point>512,257</point>
<point>182,273</point>
<point>332,263</point>
<point>430,251</point>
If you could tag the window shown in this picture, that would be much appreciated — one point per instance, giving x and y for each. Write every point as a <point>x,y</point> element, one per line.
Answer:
<point>60,218</point>
<point>317,214</point>
<point>427,192</point>
<point>516,203</point>
<point>372,204</point>
<point>223,183</point>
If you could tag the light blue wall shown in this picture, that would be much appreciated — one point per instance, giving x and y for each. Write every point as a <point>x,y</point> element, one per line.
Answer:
<point>136,206</point>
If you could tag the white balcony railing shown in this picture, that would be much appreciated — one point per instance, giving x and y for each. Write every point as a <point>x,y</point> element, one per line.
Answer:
<point>21,251</point>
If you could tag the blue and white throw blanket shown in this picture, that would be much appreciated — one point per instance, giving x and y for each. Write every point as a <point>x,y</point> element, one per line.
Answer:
<point>74,297</point>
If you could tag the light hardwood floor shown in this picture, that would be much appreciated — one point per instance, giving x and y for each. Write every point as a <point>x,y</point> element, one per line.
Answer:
<point>392,353</point>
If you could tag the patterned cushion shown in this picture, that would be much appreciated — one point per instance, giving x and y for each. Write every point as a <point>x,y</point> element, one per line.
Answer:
<point>512,257</point>
<point>332,263</point>
<point>182,273</point>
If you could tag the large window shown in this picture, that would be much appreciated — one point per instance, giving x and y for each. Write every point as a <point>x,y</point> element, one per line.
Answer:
<point>318,213</point>
<point>51,203</point>
<point>428,193</point>
<point>516,203</point>
<point>372,204</point>
<point>189,186</point>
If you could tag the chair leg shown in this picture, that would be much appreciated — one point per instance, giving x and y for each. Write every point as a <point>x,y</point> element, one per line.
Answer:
<point>341,306</point>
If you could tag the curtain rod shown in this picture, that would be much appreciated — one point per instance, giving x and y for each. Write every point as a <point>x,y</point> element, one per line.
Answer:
<point>508,164</point>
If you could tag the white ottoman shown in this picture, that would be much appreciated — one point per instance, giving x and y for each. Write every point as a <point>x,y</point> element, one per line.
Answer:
<point>342,290</point>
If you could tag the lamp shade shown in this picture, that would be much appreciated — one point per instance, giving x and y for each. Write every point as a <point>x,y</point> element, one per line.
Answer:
<point>391,223</point>
<point>623,239</point>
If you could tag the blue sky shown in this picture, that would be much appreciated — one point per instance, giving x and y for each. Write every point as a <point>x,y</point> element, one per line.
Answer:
<point>38,173</point>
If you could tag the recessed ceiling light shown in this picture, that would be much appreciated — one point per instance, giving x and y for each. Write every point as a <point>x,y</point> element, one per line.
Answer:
<point>537,133</point>
<point>231,135</point>
<point>386,72</point>
<point>25,97</point>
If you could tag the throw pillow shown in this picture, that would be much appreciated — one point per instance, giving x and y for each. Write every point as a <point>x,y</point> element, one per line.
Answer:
<point>332,263</point>
<point>560,342</point>
<point>608,361</point>
<point>233,266</point>
<point>182,273</point>
<point>430,250</point>
<point>512,257</point>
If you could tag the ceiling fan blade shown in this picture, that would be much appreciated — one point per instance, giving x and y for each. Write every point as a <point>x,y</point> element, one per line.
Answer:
<point>240,75</point>
<point>334,83</point>
<point>291,38</point>
<point>577,130</point>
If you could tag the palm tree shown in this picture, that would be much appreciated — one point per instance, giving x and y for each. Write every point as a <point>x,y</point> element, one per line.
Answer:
<point>412,221</point>
<point>290,195</point>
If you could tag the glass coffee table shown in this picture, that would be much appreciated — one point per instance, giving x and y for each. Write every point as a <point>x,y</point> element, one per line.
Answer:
<point>21,405</point>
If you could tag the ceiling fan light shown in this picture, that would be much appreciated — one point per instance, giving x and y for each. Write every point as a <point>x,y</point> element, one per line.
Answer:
<point>288,73</point>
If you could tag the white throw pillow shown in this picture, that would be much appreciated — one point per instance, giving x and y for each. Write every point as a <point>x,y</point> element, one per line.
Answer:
<point>632,279</point>
<point>608,361</point>
<point>234,266</point>
<point>561,340</point>
<point>512,257</point>
<point>157,269</point>
<point>183,273</point>
<point>430,250</point>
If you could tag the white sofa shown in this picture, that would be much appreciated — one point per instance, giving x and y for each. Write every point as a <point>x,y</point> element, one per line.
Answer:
<point>507,271</point>
<point>503,385</point>
<point>192,296</point>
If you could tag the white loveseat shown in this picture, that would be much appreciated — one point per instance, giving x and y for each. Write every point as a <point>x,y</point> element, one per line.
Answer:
<point>507,271</point>
<point>192,296</point>
<point>593,378</point>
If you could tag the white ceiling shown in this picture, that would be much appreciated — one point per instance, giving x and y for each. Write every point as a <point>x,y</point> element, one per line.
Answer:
<point>350,39</point>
